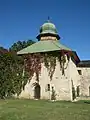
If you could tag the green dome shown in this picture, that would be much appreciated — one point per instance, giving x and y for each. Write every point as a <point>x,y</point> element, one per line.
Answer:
<point>48,28</point>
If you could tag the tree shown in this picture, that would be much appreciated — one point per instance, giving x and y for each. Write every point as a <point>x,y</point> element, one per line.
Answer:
<point>12,80</point>
<point>11,69</point>
<point>53,95</point>
<point>20,45</point>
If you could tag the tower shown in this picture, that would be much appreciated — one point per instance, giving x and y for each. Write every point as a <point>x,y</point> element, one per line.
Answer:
<point>51,63</point>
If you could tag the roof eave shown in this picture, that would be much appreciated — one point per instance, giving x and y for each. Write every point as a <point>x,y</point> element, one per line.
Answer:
<point>46,34</point>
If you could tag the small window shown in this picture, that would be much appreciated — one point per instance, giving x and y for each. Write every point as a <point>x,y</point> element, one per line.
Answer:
<point>48,87</point>
<point>79,72</point>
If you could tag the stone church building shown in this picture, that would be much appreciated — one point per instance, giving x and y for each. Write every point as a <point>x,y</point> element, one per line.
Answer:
<point>74,83</point>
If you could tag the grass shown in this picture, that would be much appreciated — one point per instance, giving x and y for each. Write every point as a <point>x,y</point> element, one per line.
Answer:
<point>44,110</point>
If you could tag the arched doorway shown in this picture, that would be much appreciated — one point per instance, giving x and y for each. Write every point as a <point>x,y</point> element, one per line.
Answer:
<point>37,91</point>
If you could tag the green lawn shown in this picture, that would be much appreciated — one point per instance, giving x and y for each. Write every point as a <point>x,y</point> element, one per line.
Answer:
<point>43,110</point>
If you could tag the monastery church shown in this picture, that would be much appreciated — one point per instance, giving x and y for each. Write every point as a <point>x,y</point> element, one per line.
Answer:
<point>63,76</point>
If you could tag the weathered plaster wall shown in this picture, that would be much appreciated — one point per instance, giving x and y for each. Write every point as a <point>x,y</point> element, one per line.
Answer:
<point>28,91</point>
<point>85,81</point>
<point>61,84</point>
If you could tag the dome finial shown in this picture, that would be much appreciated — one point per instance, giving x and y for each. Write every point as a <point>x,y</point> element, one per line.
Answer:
<point>48,19</point>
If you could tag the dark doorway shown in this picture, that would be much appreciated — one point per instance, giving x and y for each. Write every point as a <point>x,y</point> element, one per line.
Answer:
<point>37,91</point>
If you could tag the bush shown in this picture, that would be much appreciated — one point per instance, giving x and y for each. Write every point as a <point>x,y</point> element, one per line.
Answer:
<point>73,93</point>
<point>53,96</point>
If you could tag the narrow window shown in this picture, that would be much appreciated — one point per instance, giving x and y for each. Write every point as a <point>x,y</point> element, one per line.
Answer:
<point>48,87</point>
<point>78,91</point>
<point>79,72</point>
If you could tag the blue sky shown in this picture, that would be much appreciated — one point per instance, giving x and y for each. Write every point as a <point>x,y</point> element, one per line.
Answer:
<point>21,20</point>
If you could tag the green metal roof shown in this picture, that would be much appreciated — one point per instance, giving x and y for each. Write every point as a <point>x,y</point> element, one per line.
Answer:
<point>43,46</point>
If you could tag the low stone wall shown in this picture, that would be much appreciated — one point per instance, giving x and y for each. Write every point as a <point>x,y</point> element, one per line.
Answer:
<point>83,98</point>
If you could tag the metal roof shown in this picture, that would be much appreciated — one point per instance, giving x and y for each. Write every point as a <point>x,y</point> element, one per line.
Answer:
<point>43,46</point>
<point>84,63</point>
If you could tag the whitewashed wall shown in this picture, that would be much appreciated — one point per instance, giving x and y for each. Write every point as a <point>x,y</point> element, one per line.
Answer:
<point>62,84</point>
<point>85,81</point>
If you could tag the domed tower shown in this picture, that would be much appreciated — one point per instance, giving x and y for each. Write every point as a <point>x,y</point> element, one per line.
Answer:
<point>48,31</point>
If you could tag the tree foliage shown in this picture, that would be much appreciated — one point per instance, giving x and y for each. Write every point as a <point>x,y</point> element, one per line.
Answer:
<point>12,80</point>
<point>20,45</point>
